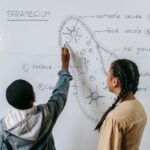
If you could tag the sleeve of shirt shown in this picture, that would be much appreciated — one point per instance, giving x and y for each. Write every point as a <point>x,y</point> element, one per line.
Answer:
<point>59,95</point>
<point>1,136</point>
<point>110,135</point>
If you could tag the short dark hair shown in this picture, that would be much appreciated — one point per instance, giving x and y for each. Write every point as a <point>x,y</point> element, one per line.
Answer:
<point>20,94</point>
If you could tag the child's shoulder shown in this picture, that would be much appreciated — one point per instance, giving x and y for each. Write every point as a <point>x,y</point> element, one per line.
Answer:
<point>127,111</point>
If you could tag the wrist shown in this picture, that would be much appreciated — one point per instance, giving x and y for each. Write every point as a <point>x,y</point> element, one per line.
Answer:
<point>65,67</point>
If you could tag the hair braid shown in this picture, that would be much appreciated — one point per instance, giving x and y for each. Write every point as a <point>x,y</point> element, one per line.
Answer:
<point>128,74</point>
<point>136,77</point>
<point>123,79</point>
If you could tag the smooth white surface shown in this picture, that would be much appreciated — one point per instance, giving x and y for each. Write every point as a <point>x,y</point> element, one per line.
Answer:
<point>31,33</point>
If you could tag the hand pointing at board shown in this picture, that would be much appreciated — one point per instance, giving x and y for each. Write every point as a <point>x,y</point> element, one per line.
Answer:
<point>65,57</point>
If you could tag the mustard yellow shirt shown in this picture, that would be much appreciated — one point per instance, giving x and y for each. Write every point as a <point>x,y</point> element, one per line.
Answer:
<point>123,127</point>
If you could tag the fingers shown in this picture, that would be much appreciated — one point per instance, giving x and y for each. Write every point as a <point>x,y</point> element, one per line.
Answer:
<point>64,50</point>
<point>65,57</point>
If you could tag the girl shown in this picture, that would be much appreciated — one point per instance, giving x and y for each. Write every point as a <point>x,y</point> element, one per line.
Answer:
<point>123,123</point>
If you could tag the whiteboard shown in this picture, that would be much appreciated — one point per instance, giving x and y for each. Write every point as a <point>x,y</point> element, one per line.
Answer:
<point>97,32</point>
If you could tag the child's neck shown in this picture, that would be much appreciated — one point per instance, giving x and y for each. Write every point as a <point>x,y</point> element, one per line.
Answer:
<point>129,97</point>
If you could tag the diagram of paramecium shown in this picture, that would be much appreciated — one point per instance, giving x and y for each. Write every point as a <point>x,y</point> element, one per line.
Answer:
<point>89,65</point>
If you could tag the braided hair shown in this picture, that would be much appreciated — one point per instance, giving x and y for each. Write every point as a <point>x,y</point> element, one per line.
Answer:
<point>127,73</point>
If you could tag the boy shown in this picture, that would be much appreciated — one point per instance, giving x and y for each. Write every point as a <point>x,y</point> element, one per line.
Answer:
<point>29,127</point>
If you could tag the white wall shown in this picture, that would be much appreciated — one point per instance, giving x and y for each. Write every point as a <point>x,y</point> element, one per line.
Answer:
<point>98,31</point>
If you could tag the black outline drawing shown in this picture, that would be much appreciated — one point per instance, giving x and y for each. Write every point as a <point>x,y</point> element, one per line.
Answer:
<point>73,32</point>
<point>92,78</point>
<point>94,96</point>
<point>82,67</point>
<point>25,67</point>
<point>98,44</point>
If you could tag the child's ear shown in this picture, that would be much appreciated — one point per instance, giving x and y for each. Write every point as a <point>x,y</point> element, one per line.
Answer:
<point>34,97</point>
<point>116,82</point>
